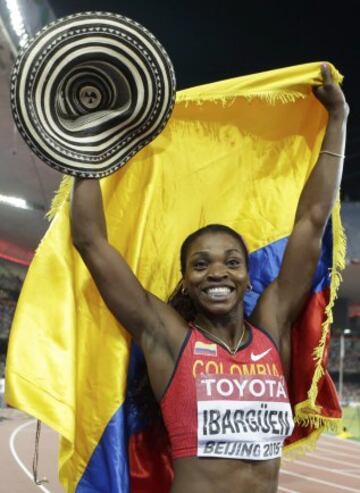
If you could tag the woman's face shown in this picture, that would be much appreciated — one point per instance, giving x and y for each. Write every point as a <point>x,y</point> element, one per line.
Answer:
<point>216,276</point>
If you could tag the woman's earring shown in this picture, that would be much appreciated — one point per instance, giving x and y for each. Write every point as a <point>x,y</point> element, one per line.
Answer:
<point>249,288</point>
<point>183,291</point>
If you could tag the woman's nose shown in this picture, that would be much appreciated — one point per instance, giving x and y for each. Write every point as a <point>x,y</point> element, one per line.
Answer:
<point>217,272</point>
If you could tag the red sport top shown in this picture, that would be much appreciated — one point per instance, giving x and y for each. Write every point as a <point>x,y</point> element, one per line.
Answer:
<point>222,405</point>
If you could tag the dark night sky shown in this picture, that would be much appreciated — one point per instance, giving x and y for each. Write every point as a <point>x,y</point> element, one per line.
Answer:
<point>213,40</point>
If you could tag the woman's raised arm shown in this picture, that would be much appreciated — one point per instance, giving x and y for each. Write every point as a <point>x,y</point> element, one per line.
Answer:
<point>140,312</point>
<point>282,301</point>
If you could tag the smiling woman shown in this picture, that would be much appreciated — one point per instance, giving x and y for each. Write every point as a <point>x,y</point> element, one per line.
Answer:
<point>216,275</point>
<point>197,251</point>
<point>202,330</point>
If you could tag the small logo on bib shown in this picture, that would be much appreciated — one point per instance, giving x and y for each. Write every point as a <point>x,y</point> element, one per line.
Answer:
<point>257,357</point>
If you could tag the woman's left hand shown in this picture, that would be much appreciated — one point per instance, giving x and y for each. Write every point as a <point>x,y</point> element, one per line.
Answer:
<point>330,94</point>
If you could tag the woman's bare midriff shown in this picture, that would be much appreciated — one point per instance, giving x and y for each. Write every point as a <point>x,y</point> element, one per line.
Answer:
<point>196,475</point>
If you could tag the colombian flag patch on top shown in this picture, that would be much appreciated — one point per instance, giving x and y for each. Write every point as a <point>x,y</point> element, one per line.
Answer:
<point>204,348</point>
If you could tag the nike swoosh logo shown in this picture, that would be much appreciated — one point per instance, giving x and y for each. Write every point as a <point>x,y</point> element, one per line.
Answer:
<point>256,357</point>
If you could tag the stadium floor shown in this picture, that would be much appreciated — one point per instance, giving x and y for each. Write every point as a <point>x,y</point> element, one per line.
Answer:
<point>333,467</point>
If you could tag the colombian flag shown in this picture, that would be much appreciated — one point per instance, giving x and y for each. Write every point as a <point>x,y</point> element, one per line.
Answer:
<point>236,152</point>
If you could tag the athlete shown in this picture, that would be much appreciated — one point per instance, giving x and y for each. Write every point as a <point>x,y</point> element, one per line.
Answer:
<point>226,433</point>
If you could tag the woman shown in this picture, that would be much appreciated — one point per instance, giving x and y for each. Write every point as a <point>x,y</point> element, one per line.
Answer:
<point>243,416</point>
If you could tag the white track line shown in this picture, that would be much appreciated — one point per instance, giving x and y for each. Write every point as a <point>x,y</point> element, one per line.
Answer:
<point>16,457</point>
<point>337,461</point>
<point>336,447</point>
<point>281,488</point>
<point>328,469</point>
<point>347,440</point>
<point>334,452</point>
<point>316,480</point>
<point>339,446</point>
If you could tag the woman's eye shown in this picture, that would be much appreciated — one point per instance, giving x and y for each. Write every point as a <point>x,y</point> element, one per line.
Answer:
<point>234,262</point>
<point>200,264</point>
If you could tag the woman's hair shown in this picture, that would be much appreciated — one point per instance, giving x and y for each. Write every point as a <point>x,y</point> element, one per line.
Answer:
<point>181,302</point>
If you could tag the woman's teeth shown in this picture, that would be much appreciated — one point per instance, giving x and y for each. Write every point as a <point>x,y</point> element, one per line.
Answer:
<point>218,292</point>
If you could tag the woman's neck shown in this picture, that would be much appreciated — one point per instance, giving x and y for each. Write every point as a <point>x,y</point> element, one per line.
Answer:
<point>228,327</point>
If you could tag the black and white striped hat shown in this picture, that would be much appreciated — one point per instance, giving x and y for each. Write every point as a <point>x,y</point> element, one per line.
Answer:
<point>90,90</point>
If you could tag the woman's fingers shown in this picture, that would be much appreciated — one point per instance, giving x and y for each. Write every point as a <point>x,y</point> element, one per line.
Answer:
<point>326,74</point>
<point>329,93</point>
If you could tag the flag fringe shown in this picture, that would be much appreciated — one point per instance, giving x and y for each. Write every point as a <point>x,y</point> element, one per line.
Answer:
<point>302,446</point>
<point>61,196</point>
<point>271,97</point>
<point>338,264</point>
<point>308,413</point>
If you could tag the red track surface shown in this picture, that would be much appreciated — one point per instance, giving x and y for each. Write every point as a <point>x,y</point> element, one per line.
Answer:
<point>334,466</point>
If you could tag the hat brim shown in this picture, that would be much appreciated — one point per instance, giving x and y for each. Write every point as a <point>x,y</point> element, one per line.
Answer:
<point>90,90</point>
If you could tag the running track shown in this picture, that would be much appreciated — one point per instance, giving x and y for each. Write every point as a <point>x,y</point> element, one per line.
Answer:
<point>334,467</point>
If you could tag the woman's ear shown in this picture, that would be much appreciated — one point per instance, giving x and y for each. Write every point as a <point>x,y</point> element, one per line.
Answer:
<point>183,291</point>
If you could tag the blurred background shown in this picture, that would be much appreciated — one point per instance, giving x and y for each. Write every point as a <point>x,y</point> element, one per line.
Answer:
<point>207,41</point>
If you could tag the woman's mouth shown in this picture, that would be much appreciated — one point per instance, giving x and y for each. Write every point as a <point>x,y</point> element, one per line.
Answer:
<point>218,293</point>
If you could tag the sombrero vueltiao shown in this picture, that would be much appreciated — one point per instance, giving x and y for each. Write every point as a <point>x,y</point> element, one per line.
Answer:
<point>90,90</point>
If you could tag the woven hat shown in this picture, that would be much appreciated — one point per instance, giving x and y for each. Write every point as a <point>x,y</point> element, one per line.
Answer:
<point>90,90</point>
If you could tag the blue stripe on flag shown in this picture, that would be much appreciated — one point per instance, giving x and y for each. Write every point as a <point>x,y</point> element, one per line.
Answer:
<point>265,266</point>
<point>108,469</point>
